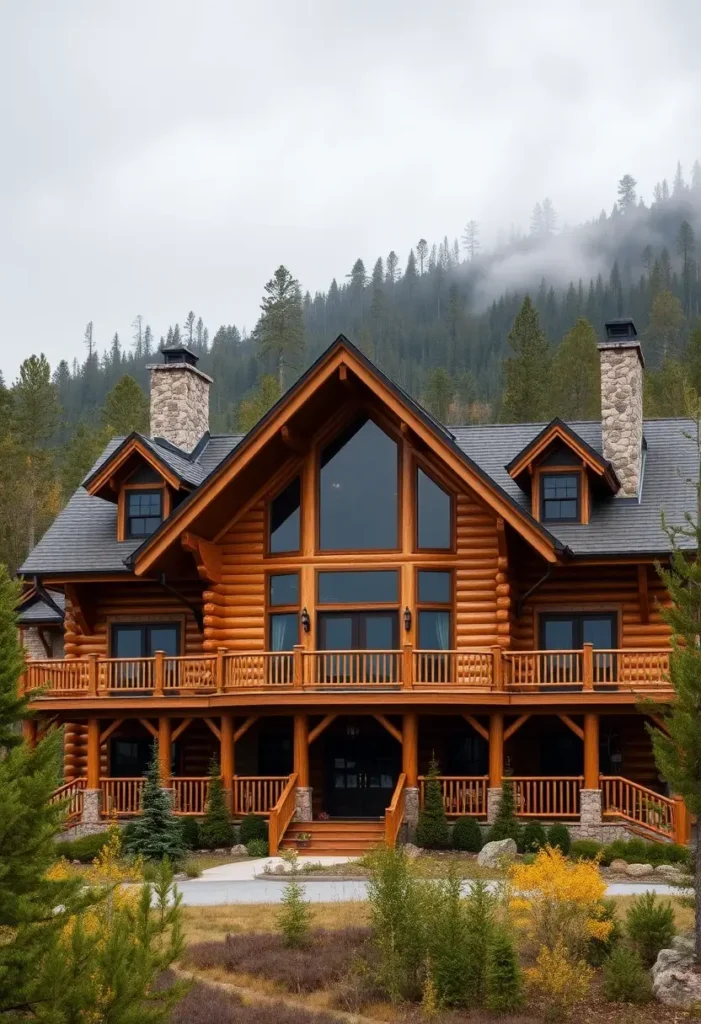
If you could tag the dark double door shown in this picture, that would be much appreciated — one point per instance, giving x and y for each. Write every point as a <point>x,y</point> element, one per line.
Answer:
<point>361,766</point>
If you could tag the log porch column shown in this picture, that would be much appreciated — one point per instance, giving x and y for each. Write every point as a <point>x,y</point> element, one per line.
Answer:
<point>29,731</point>
<point>164,750</point>
<point>590,797</point>
<point>92,795</point>
<point>226,759</point>
<point>410,767</point>
<point>496,763</point>
<point>303,793</point>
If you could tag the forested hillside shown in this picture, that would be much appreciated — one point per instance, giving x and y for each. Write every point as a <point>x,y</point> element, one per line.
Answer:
<point>447,321</point>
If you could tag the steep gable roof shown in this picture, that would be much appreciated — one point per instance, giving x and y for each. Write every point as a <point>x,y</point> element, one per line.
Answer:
<point>559,431</point>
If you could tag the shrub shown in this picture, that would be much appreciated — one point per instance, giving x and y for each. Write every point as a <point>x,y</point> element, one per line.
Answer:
<point>598,950</point>
<point>625,979</point>
<point>191,833</point>
<point>560,981</point>
<point>505,824</point>
<point>585,849</point>
<point>467,835</point>
<point>449,950</point>
<point>84,849</point>
<point>650,926</point>
<point>504,985</point>
<point>252,827</point>
<point>257,848</point>
<point>559,837</point>
<point>294,919</point>
<point>534,837</point>
<point>637,851</point>
<point>480,906</point>
<point>216,829</point>
<point>156,833</point>
<point>192,869</point>
<point>397,901</point>
<point>433,831</point>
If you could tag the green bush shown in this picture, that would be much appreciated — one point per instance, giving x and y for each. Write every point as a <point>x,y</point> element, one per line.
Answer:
<point>191,833</point>
<point>585,849</point>
<point>650,926</point>
<point>598,950</point>
<point>504,982</point>
<point>559,837</point>
<point>156,833</point>
<point>84,849</point>
<point>637,851</point>
<point>216,829</point>
<point>294,918</point>
<point>480,908</point>
<point>257,848</point>
<point>505,824</point>
<point>433,831</point>
<point>625,979</point>
<point>448,943</point>
<point>534,837</point>
<point>252,827</point>
<point>399,909</point>
<point>467,835</point>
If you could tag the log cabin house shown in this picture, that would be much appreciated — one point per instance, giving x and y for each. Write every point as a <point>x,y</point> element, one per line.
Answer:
<point>351,588</point>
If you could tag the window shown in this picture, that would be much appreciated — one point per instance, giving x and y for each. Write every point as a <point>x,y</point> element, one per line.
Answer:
<point>142,640</point>
<point>364,587</point>
<point>358,491</point>
<point>285,519</point>
<point>284,631</point>
<point>284,589</point>
<point>569,631</point>
<point>283,623</point>
<point>434,591</point>
<point>144,512</point>
<point>559,497</point>
<point>434,514</point>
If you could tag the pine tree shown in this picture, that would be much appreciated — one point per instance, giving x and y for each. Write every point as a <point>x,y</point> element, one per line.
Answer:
<point>79,456</point>
<point>665,328</point>
<point>126,408</point>
<point>527,374</point>
<point>575,375</point>
<point>449,948</point>
<point>156,833</point>
<point>504,982</point>
<point>433,831</point>
<point>421,254</point>
<point>439,393</point>
<point>280,329</point>
<point>686,246</point>
<point>470,239</point>
<point>626,193</point>
<point>294,917</point>
<point>216,829</point>
<point>255,405</point>
<point>506,825</point>
<point>692,359</point>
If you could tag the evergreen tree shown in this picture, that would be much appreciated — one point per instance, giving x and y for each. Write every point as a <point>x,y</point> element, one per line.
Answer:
<point>280,329</point>
<point>421,254</point>
<point>665,328</point>
<point>433,831</point>
<point>506,825</point>
<point>255,406</point>
<point>504,982</point>
<point>156,833</point>
<point>449,944</point>
<point>686,246</point>
<point>527,374</point>
<point>126,408</point>
<point>692,359</point>
<point>439,393</point>
<point>470,239</point>
<point>626,193</point>
<point>79,456</point>
<point>576,375</point>
<point>216,829</point>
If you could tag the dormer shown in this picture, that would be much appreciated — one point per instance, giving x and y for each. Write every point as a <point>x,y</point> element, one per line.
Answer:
<point>562,474</point>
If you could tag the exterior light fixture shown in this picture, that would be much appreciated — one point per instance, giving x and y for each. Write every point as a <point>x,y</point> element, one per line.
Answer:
<point>407,619</point>
<point>306,622</point>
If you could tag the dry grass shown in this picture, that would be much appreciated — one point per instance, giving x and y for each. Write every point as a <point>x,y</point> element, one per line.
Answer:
<point>203,924</point>
<point>683,916</point>
<point>205,1004</point>
<point>428,865</point>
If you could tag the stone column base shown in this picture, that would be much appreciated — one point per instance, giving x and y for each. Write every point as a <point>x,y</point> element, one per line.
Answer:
<point>589,810</point>
<point>303,803</point>
<point>411,811</point>
<point>92,805</point>
<point>493,804</point>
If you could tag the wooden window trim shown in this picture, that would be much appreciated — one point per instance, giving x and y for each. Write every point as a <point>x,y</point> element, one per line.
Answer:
<point>269,498</point>
<point>122,505</point>
<point>281,609</point>
<point>584,500</point>
<point>421,464</point>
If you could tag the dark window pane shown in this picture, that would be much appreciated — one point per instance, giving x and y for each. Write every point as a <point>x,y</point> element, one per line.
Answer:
<point>434,586</point>
<point>560,496</point>
<point>127,642</point>
<point>358,491</point>
<point>598,632</point>
<point>379,632</point>
<point>433,510</point>
<point>163,638</point>
<point>355,587</point>
<point>284,519</point>
<point>142,641</point>
<point>284,631</point>
<point>284,589</point>
<point>337,633</point>
<point>144,512</point>
<point>558,634</point>
<point>434,631</point>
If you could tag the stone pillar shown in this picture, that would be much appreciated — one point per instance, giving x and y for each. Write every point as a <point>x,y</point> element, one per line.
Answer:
<point>493,803</point>
<point>303,793</point>
<point>590,813</point>
<point>622,412</point>
<point>411,810</point>
<point>303,803</point>
<point>92,805</point>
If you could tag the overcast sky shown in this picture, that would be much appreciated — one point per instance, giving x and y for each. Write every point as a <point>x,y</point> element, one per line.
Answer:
<point>166,156</point>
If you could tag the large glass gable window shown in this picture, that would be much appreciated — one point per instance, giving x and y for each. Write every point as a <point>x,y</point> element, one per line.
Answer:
<point>284,519</point>
<point>433,513</point>
<point>358,482</point>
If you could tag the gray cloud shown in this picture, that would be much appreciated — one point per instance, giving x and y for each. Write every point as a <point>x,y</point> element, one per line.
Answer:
<point>162,156</point>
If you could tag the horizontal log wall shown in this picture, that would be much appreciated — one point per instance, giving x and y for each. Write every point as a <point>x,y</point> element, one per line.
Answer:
<point>235,608</point>
<point>481,583</point>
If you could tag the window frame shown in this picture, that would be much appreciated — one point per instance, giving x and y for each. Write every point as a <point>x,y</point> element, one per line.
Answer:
<point>154,622</point>
<point>281,609</point>
<point>123,507</point>
<point>555,471</point>
<point>614,614</point>
<point>418,464</point>
<point>435,606</point>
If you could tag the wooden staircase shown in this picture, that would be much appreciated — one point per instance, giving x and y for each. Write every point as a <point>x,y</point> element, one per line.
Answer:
<point>336,838</point>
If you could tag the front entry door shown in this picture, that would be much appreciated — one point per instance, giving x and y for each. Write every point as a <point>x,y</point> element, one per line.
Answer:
<point>362,767</point>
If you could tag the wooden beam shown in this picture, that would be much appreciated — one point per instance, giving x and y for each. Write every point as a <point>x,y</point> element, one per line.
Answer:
<point>165,746</point>
<point>105,735</point>
<point>410,748</point>
<point>591,751</point>
<point>301,749</point>
<point>515,726</point>
<point>577,730</point>
<point>81,615</point>
<point>496,749</point>
<point>207,556</point>
<point>660,723</point>
<point>177,732</point>
<point>391,729</point>
<point>150,728</point>
<point>323,724</point>
<point>501,537</point>
<point>293,441</point>
<point>343,373</point>
<point>477,726</point>
<point>93,765</point>
<point>214,727</point>
<point>243,729</point>
<point>643,597</point>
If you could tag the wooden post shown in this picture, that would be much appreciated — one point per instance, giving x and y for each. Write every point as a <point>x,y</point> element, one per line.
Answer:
<point>301,750</point>
<point>226,759</point>
<point>221,651</point>
<point>298,666</point>
<point>588,667</point>
<point>164,749</point>
<point>29,730</point>
<point>159,674</point>
<point>408,667</point>
<point>591,750</point>
<point>496,749</point>
<point>682,822</point>
<point>92,675</point>
<point>410,748</point>
<point>497,670</point>
<point>93,767</point>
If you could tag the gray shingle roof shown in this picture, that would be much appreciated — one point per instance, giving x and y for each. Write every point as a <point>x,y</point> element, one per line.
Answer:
<point>36,610</point>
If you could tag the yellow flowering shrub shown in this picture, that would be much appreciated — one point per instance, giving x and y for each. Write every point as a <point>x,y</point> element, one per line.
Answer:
<point>109,868</point>
<point>559,902</point>
<point>559,981</point>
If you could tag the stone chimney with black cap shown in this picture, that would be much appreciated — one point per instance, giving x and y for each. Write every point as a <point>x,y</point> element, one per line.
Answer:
<point>622,364</point>
<point>179,398</point>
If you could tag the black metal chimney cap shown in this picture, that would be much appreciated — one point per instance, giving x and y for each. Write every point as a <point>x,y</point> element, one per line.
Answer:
<point>620,329</point>
<point>179,354</point>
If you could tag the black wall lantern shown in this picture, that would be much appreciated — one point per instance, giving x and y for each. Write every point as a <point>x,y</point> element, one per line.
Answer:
<point>306,623</point>
<point>407,619</point>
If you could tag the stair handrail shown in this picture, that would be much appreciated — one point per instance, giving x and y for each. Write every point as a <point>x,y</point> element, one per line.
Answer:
<point>648,795</point>
<point>394,815</point>
<point>281,815</point>
<point>72,793</point>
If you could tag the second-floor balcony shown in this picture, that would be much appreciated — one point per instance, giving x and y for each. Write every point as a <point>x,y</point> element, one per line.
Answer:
<point>469,671</point>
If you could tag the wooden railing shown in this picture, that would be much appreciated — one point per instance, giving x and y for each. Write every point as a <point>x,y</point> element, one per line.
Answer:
<point>349,669</point>
<point>621,798</point>
<point>73,792</point>
<point>257,794</point>
<point>472,669</point>
<point>259,669</point>
<point>394,815</point>
<point>536,797</point>
<point>190,794</point>
<point>281,815</point>
<point>58,676</point>
<point>122,797</point>
<point>639,670</point>
<point>461,794</point>
<point>125,674</point>
<point>526,670</point>
<point>192,672</point>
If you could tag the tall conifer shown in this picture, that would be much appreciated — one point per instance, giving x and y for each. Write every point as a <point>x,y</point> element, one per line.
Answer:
<point>527,374</point>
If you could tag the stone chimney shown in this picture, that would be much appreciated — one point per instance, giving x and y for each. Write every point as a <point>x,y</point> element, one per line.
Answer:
<point>622,404</point>
<point>179,398</point>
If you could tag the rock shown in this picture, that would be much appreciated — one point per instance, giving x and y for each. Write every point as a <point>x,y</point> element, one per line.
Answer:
<point>670,959</point>
<point>684,944</point>
<point>412,851</point>
<point>221,849</point>
<point>668,870</point>
<point>638,870</point>
<point>620,866</point>
<point>676,981</point>
<point>180,876</point>
<point>494,855</point>
<point>239,850</point>
<point>281,869</point>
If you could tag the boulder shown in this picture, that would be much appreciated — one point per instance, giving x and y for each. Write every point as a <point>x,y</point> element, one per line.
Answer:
<point>180,876</point>
<point>668,871</point>
<point>638,870</point>
<point>282,869</point>
<point>412,851</point>
<point>495,855</point>
<point>684,944</point>
<point>618,865</point>
<point>675,980</point>
<point>239,850</point>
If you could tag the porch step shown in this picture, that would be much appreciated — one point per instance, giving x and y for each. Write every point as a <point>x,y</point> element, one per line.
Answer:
<point>341,838</point>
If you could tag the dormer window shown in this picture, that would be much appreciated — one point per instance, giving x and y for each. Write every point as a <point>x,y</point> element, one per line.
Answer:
<point>144,512</point>
<point>559,497</point>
